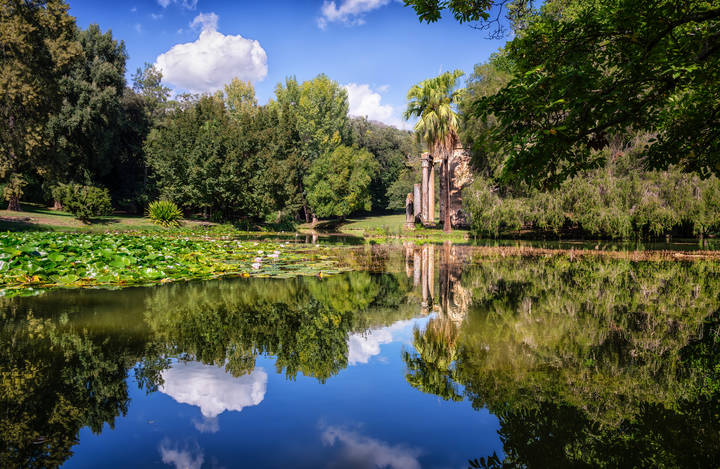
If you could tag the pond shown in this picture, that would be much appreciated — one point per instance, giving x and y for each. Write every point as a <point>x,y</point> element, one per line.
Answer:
<point>424,356</point>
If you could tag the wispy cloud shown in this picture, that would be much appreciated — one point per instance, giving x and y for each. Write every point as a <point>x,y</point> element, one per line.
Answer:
<point>362,451</point>
<point>348,12</point>
<point>186,4</point>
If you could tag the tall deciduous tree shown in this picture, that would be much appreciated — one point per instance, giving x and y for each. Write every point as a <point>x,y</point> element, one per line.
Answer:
<point>312,122</point>
<point>240,97</point>
<point>434,102</point>
<point>38,46</point>
<point>338,182</point>
<point>85,132</point>
<point>391,148</point>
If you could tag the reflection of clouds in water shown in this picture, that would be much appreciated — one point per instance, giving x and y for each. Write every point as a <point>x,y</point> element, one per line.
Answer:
<point>363,346</point>
<point>360,451</point>
<point>212,389</point>
<point>207,425</point>
<point>185,458</point>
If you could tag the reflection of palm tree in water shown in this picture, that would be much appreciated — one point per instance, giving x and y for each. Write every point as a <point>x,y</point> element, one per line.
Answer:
<point>431,368</point>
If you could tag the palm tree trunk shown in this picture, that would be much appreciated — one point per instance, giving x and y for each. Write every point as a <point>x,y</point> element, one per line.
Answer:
<point>446,223</point>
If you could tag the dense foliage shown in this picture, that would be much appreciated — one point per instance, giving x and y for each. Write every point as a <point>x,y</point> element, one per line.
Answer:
<point>338,182</point>
<point>85,202</point>
<point>597,118</point>
<point>586,72</point>
<point>587,363</point>
<point>71,118</point>
<point>605,203</point>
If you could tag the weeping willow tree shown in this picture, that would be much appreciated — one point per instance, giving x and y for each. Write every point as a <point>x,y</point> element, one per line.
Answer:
<point>434,101</point>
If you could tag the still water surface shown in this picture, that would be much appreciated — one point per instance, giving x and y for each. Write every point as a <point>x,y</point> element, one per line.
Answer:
<point>434,357</point>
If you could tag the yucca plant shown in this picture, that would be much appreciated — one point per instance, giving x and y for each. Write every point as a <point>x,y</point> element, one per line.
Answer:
<point>164,213</point>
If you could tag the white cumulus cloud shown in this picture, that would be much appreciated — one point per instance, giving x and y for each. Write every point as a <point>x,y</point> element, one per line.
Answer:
<point>187,4</point>
<point>212,389</point>
<point>349,12</point>
<point>364,102</point>
<point>362,451</point>
<point>213,60</point>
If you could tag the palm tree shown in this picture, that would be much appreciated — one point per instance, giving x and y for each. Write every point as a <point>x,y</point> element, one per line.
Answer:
<point>434,102</point>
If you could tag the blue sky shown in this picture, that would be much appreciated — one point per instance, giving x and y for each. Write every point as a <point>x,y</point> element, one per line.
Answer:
<point>376,48</point>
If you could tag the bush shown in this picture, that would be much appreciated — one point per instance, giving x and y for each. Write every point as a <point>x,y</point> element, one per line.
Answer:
<point>85,202</point>
<point>165,213</point>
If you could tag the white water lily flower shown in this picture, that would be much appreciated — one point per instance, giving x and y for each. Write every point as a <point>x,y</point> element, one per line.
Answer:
<point>260,252</point>
<point>276,252</point>
<point>258,259</point>
<point>256,265</point>
<point>273,255</point>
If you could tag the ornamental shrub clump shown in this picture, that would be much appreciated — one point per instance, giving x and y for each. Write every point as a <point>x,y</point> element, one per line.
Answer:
<point>85,202</point>
<point>601,203</point>
<point>164,213</point>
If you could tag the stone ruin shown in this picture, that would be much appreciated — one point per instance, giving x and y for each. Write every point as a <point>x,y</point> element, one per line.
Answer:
<point>420,204</point>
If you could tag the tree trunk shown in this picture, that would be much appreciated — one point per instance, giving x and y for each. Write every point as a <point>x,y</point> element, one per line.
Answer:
<point>446,224</point>
<point>57,205</point>
<point>14,203</point>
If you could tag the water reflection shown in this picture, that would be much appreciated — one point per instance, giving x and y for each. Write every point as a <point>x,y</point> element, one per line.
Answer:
<point>362,346</point>
<point>213,390</point>
<point>362,452</point>
<point>585,362</point>
<point>188,456</point>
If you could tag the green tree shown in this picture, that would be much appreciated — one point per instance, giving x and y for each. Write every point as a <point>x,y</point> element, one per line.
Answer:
<point>434,102</point>
<point>239,97</point>
<point>147,82</point>
<point>338,181</point>
<point>486,80</point>
<point>312,121</point>
<point>590,72</point>
<point>392,149</point>
<point>202,159</point>
<point>86,131</point>
<point>38,48</point>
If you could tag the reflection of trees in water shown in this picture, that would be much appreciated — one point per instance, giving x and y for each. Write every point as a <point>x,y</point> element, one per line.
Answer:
<point>589,362</point>
<point>304,323</point>
<point>54,380</point>
<point>61,372</point>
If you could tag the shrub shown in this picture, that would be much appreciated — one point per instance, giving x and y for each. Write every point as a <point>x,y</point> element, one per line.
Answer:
<point>164,213</point>
<point>85,202</point>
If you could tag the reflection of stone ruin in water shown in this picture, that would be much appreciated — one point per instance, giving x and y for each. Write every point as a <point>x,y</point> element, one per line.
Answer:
<point>443,295</point>
<point>420,204</point>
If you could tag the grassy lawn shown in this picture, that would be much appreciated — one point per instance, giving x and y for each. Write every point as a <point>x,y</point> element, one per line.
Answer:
<point>393,226</point>
<point>38,218</point>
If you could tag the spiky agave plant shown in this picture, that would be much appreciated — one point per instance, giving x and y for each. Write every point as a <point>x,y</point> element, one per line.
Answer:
<point>165,213</point>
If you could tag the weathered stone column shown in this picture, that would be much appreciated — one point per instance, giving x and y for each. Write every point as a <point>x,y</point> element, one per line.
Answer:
<point>424,204</point>
<point>431,270</point>
<point>424,279</point>
<point>431,191</point>
<point>409,214</point>
<point>417,197</point>
<point>417,267</point>
<point>408,259</point>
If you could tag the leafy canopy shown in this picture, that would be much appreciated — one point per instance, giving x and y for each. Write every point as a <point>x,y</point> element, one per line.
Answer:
<point>338,182</point>
<point>434,102</point>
